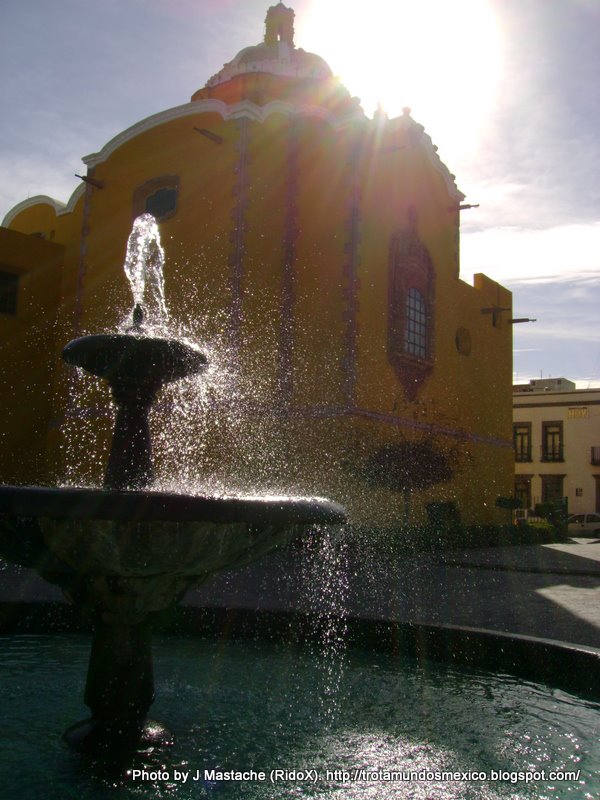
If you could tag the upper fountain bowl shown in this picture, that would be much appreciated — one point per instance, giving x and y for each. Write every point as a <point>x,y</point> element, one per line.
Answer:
<point>130,357</point>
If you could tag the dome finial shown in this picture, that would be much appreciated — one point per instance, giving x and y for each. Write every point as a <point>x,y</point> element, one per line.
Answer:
<point>380,114</point>
<point>279,25</point>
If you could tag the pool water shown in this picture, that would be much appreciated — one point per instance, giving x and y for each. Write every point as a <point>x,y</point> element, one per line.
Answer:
<point>298,723</point>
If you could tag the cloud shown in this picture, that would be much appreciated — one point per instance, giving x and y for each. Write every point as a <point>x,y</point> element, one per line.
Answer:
<point>537,160</point>
<point>527,350</point>
<point>28,177</point>
<point>565,340</point>
<point>511,253</point>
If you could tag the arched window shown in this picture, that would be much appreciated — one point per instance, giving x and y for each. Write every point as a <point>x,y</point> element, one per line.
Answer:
<point>410,303</point>
<point>415,324</point>
<point>162,203</point>
<point>158,197</point>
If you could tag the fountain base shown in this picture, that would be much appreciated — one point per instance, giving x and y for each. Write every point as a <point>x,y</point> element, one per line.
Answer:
<point>105,737</point>
<point>119,692</point>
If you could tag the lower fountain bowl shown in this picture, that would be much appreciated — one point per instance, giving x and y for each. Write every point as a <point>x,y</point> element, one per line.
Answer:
<point>132,553</point>
<point>126,555</point>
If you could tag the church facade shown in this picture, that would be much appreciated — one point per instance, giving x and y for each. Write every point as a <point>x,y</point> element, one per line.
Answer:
<point>315,253</point>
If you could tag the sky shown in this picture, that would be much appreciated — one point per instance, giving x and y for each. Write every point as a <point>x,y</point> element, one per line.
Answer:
<point>509,91</point>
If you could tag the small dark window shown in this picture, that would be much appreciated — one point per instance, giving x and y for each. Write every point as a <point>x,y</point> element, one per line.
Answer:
<point>9,289</point>
<point>158,197</point>
<point>161,203</point>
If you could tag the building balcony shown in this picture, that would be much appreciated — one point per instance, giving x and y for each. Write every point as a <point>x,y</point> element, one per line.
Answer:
<point>523,456</point>
<point>595,456</point>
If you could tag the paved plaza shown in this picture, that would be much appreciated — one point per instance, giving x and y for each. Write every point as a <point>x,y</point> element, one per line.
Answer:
<point>547,591</point>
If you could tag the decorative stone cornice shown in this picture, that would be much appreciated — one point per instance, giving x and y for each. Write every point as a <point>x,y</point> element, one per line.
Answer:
<point>44,199</point>
<point>245,108</point>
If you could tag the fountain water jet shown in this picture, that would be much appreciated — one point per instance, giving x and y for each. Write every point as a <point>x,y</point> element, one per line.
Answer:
<point>123,550</point>
<point>144,268</point>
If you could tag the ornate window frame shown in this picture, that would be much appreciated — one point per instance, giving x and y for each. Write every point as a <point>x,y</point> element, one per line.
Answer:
<point>149,188</point>
<point>411,275</point>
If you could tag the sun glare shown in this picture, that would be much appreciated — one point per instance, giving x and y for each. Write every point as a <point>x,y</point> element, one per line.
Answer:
<point>443,59</point>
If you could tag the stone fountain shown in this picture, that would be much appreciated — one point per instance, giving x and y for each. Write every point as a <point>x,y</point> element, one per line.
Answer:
<point>126,551</point>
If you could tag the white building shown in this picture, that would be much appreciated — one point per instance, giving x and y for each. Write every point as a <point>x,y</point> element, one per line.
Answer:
<point>556,431</point>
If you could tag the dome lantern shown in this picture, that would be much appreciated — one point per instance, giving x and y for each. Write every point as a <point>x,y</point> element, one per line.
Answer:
<point>279,25</point>
<point>275,69</point>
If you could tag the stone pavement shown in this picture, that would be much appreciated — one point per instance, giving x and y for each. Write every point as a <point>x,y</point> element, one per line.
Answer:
<point>548,591</point>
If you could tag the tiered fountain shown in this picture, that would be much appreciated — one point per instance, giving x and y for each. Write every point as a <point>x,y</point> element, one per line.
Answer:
<point>126,551</point>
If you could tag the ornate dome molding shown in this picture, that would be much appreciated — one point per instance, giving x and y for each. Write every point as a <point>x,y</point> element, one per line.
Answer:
<point>278,59</point>
<point>276,54</point>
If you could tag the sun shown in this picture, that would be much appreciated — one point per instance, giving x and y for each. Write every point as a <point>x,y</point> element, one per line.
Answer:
<point>442,58</point>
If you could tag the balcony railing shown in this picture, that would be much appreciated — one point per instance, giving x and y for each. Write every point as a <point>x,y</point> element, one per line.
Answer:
<point>552,452</point>
<point>595,456</point>
<point>523,455</point>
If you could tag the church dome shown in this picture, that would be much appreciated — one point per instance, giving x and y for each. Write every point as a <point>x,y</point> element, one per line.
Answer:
<point>276,55</point>
<point>276,69</point>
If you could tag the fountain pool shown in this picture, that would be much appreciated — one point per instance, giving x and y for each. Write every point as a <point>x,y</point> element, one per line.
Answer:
<point>245,705</point>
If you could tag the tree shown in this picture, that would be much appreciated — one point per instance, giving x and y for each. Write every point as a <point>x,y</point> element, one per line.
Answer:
<point>509,503</point>
<point>410,466</point>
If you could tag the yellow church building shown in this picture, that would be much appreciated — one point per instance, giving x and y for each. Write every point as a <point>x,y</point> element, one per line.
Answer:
<point>314,253</point>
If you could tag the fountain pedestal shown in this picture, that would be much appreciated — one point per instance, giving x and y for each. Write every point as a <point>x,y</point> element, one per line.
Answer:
<point>130,460</point>
<point>120,652</point>
<point>119,692</point>
<point>136,367</point>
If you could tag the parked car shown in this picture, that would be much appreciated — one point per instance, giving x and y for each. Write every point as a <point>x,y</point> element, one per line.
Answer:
<point>584,525</point>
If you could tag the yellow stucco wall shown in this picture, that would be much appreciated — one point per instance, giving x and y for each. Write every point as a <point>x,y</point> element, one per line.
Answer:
<point>274,201</point>
<point>27,353</point>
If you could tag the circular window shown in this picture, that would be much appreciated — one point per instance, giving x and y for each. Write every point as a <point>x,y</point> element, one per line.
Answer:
<point>463,341</point>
